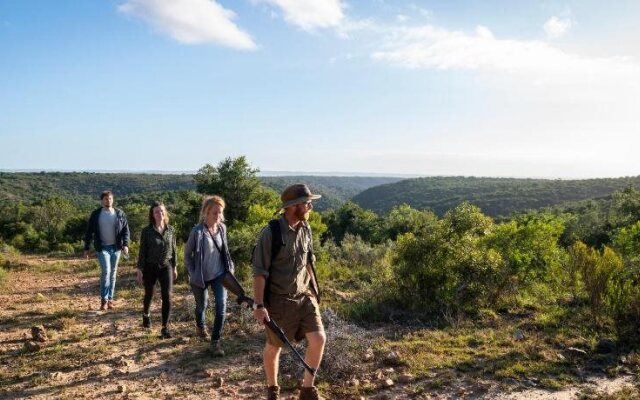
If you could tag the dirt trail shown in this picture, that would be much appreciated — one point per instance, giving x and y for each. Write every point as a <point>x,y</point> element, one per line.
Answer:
<point>92,354</point>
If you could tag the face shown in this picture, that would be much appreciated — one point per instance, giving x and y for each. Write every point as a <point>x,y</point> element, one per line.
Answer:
<point>303,210</point>
<point>215,214</point>
<point>107,201</point>
<point>159,213</point>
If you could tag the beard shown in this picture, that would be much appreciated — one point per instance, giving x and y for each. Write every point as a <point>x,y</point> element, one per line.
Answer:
<point>302,214</point>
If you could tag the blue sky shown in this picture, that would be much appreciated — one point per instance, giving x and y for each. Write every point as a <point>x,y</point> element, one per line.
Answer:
<point>484,88</point>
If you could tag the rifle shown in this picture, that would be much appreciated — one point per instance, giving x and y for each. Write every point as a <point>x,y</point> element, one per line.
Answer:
<point>230,282</point>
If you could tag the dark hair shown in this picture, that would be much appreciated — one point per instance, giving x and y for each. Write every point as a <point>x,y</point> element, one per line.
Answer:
<point>105,194</point>
<point>155,204</point>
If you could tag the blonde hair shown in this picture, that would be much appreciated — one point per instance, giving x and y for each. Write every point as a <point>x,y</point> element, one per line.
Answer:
<point>207,203</point>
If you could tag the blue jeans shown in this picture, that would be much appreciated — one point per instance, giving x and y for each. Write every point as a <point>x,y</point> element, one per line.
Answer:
<point>202,296</point>
<point>108,258</point>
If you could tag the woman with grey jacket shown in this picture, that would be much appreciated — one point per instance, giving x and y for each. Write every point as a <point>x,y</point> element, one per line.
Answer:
<point>207,258</point>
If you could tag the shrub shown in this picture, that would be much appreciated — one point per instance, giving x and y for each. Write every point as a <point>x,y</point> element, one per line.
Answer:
<point>596,272</point>
<point>446,269</point>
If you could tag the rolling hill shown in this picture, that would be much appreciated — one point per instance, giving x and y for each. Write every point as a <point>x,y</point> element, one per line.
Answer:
<point>495,196</point>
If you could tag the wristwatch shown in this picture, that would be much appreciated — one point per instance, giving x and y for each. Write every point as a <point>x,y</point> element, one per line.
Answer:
<point>257,305</point>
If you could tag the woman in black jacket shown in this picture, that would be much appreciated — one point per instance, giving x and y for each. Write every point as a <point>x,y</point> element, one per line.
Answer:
<point>157,262</point>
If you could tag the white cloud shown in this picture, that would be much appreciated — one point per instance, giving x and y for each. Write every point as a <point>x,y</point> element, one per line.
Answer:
<point>402,18</point>
<point>310,14</point>
<point>431,47</point>
<point>556,27</point>
<point>191,21</point>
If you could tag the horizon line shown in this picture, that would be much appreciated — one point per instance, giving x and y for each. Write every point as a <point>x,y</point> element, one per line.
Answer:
<point>303,173</point>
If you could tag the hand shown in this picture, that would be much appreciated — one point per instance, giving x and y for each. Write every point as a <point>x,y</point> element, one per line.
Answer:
<point>139,277</point>
<point>125,250</point>
<point>175,273</point>
<point>261,315</point>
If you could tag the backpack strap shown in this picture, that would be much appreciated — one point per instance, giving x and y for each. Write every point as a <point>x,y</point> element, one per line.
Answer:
<point>277,243</point>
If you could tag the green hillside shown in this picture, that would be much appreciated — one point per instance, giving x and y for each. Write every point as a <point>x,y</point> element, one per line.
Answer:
<point>84,187</point>
<point>495,196</point>
<point>335,189</point>
<point>81,187</point>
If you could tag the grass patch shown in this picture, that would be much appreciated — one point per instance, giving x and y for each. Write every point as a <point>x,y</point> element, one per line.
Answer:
<point>487,347</point>
<point>627,393</point>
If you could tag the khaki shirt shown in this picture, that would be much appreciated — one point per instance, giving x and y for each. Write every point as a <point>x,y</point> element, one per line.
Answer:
<point>288,273</point>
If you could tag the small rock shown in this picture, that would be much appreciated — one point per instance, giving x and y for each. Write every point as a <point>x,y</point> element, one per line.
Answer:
<point>518,335</point>
<point>38,333</point>
<point>510,381</point>
<point>388,370</point>
<point>219,382</point>
<point>353,382</point>
<point>122,388</point>
<point>606,346</point>
<point>123,362</point>
<point>368,355</point>
<point>576,351</point>
<point>561,357</point>
<point>31,346</point>
<point>623,359</point>
<point>405,378</point>
<point>56,376</point>
<point>392,358</point>
<point>387,383</point>
<point>461,391</point>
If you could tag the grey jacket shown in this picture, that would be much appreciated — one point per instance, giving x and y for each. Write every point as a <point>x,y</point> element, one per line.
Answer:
<point>193,254</point>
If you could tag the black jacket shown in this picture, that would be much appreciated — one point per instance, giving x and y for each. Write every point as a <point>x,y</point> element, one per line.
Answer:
<point>93,231</point>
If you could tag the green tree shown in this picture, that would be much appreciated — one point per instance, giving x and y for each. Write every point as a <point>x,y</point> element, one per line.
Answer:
<point>50,217</point>
<point>529,248</point>
<point>233,179</point>
<point>353,219</point>
<point>404,219</point>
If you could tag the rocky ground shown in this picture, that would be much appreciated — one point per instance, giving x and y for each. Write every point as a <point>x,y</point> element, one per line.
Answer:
<point>55,343</point>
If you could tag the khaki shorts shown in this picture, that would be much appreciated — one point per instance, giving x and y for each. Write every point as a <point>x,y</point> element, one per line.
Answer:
<point>297,315</point>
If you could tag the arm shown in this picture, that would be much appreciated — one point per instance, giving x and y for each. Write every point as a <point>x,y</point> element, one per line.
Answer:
<point>142,252</point>
<point>261,261</point>
<point>189,248</point>
<point>260,314</point>
<point>125,234</point>
<point>225,239</point>
<point>88,235</point>
<point>174,258</point>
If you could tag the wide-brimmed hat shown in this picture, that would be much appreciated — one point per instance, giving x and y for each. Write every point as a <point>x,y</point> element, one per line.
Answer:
<point>296,194</point>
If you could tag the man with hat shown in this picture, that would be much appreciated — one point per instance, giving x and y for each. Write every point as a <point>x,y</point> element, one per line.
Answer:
<point>285,290</point>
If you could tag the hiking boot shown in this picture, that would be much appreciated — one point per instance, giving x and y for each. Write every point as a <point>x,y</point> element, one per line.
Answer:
<point>309,393</point>
<point>216,349</point>
<point>164,333</point>
<point>201,332</point>
<point>146,321</point>
<point>103,305</point>
<point>110,304</point>
<point>273,392</point>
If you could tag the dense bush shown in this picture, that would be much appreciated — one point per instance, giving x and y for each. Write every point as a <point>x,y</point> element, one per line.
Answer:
<point>597,270</point>
<point>446,269</point>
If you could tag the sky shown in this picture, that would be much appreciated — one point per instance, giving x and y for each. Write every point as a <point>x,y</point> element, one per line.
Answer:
<point>449,88</point>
